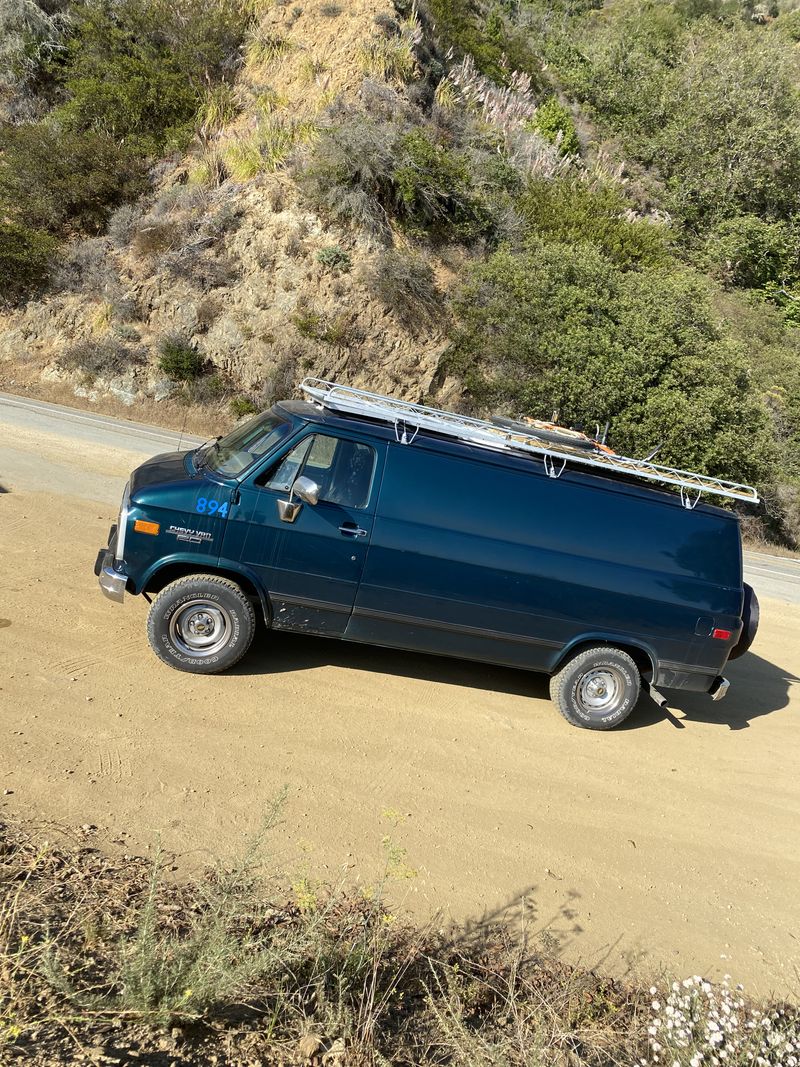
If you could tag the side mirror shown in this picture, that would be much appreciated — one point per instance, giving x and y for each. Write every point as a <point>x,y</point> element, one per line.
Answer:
<point>307,490</point>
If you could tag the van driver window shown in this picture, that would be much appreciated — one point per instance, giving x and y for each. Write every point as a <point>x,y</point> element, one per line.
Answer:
<point>342,469</point>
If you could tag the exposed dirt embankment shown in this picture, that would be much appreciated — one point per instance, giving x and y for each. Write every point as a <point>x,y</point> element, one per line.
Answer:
<point>233,269</point>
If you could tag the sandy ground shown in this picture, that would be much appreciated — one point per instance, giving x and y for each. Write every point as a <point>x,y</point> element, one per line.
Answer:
<point>671,842</point>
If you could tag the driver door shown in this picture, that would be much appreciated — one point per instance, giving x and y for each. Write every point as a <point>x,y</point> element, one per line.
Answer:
<point>310,567</point>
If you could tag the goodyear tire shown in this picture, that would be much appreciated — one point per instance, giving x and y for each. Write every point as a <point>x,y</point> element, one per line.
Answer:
<point>202,624</point>
<point>597,689</point>
<point>750,616</point>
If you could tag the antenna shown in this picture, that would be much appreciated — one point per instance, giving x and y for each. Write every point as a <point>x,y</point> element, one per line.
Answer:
<point>180,439</point>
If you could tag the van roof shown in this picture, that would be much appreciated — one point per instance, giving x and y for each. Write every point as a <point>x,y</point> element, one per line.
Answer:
<point>555,446</point>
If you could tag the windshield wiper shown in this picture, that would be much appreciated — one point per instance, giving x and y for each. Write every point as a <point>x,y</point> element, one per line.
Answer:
<point>202,452</point>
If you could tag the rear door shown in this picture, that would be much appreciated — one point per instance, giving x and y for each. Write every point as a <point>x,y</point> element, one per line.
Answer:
<point>310,567</point>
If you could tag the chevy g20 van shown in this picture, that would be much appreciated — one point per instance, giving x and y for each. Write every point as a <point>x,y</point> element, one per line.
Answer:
<point>355,516</point>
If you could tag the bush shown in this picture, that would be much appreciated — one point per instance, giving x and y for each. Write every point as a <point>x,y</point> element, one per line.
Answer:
<point>242,406</point>
<point>746,251</point>
<point>25,258</point>
<point>571,210</point>
<point>560,327</point>
<point>405,284</point>
<point>106,358</point>
<point>84,267</point>
<point>178,360</point>
<point>335,259</point>
<point>712,106</point>
<point>494,43</point>
<point>61,181</point>
<point>365,172</point>
<point>554,121</point>
<point>122,224</point>
<point>139,70</point>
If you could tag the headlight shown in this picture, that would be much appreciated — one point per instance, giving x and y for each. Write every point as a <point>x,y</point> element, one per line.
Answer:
<point>122,523</point>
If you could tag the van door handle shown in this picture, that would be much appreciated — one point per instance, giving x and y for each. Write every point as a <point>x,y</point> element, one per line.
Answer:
<point>349,529</point>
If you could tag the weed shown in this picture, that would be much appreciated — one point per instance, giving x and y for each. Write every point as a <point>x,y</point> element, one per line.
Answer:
<point>242,406</point>
<point>106,357</point>
<point>405,284</point>
<point>312,69</point>
<point>92,943</point>
<point>330,11</point>
<point>335,259</point>
<point>219,108</point>
<point>264,47</point>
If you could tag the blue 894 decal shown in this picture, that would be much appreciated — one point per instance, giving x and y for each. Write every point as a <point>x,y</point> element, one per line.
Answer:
<point>211,507</point>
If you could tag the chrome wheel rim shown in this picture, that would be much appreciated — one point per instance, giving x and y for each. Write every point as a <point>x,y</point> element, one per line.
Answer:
<point>200,628</point>
<point>600,690</point>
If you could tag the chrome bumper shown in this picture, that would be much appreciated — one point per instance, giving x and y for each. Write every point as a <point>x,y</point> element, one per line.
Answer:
<point>111,581</point>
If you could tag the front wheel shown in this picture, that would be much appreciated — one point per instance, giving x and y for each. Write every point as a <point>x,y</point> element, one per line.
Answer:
<point>597,689</point>
<point>202,624</point>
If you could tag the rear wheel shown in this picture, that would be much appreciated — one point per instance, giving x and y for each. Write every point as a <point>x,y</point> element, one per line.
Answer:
<point>202,624</point>
<point>597,689</point>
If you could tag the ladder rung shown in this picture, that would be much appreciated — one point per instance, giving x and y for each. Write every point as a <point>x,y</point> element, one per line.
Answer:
<point>346,399</point>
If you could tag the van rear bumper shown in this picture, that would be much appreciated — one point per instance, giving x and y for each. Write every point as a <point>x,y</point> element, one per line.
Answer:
<point>689,678</point>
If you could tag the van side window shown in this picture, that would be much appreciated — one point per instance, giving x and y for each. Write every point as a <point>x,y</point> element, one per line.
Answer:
<point>341,468</point>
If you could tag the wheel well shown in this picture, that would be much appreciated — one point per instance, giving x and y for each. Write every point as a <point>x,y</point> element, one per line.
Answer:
<point>638,655</point>
<point>172,571</point>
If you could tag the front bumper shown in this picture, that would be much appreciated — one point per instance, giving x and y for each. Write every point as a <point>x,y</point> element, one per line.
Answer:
<point>111,581</point>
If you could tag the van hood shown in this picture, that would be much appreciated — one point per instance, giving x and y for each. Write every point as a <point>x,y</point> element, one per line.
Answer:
<point>170,467</point>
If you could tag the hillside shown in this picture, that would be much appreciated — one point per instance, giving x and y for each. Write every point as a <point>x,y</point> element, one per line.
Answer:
<point>519,206</point>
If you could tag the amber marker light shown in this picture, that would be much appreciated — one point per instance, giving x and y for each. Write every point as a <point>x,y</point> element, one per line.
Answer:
<point>140,526</point>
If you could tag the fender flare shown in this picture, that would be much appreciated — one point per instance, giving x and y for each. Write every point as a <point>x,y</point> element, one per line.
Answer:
<point>622,641</point>
<point>225,567</point>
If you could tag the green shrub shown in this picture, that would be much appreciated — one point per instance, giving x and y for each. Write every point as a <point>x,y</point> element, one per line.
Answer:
<point>560,327</point>
<point>554,120</point>
<point>747,251</point>
<point>494,42</point>
<point>335,259</point>
<point>366,172</point>
<point>62,181</point>
<point>25,258</point>
<point>178,360</point>
<point>571,210</point>
<point>434,191</point>
<point>138,70</point>
<point>712,106</point>
<point>242,406</point>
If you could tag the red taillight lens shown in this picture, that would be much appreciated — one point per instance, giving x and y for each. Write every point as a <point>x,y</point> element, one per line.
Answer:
<point>721,635</point>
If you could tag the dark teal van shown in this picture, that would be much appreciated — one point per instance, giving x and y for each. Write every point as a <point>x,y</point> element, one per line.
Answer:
<point>356,516</point>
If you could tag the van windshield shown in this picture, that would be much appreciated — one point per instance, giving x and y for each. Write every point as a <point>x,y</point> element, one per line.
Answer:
<point>234,453</point>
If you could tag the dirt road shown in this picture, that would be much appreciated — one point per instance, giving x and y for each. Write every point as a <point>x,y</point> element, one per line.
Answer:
<point>673,841</point>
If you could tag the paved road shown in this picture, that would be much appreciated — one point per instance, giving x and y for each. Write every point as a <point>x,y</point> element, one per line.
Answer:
<point>51,448</point>
<point>55,467</point>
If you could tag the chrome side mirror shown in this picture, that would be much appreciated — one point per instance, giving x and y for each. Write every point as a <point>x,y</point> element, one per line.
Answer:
<point>307,490</point>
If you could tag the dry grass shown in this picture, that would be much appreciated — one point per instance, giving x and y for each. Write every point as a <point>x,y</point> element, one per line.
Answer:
<point>113,955</point>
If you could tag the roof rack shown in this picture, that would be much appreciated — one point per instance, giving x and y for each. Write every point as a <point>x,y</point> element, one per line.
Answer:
<point>408,419</point>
